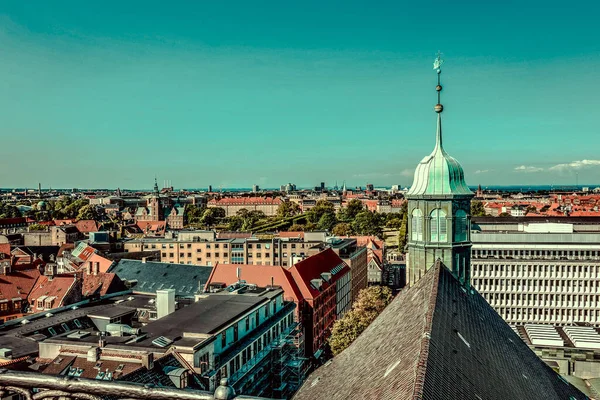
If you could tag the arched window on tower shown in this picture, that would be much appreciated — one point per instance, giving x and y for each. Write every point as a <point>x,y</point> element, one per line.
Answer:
<point>439,226</point>
<point>417,225</point>
<point>460,226</point>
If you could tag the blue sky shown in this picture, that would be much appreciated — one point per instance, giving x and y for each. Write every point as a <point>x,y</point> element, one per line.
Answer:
<point>232,93</point>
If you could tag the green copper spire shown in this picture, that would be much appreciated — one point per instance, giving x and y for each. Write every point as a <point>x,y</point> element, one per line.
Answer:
<point>439,174</point>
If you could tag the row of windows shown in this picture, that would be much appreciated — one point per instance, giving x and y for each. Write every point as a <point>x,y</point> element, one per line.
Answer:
<point>560,315</point>
<point>550,300</point>
<point>254,348</point>
<point>552,270</point>
<point>540,285</point>
<point>438,226</point>
<point>546,254</point>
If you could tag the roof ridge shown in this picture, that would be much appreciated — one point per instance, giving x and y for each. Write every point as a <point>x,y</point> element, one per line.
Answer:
<point>421,366</point>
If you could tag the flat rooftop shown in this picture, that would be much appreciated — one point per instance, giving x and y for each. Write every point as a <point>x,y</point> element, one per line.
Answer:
<point>206,316</point>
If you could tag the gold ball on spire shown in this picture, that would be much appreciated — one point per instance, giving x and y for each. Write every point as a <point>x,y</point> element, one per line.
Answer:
<point>438,108</point>
<point>438,88</point>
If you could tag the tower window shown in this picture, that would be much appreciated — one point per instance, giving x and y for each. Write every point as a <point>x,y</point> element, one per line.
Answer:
<point>460,231</point>
<point>417,225</point>
<point>439,227</point>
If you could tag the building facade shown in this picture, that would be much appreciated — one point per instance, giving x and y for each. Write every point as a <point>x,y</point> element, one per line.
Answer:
<point>538,272</point>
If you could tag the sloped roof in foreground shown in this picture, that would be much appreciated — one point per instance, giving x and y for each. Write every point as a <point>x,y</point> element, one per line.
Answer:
<point>437,341</point>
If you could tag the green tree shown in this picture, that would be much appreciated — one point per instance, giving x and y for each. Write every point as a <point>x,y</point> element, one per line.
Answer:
<point>310,226</point>
<point>322,207</point>
<point>370,303</point>
<point>88,212</point>
<point>72,209</point>
<point>296,228</point>
<point>212,216</point>
<point>235,223</point>
<point>352,209</point>
<point>367,223</point>
<point>288,209</point>
<point>37,227</point>
<point>477,209</point>
<point>251,219</point>
<point>327,222</point>
<point>194,213</point>
<point>9,211</point>
<point>403,233</point>
<point>342,229</point>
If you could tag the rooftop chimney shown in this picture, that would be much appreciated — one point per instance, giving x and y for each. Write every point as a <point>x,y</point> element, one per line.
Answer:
<point>165,302</point>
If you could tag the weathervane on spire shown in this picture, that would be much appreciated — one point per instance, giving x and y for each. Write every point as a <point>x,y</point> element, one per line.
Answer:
<point>437,64</point>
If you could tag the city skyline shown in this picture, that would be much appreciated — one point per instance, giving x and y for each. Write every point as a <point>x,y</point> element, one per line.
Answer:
<point>235,96</point>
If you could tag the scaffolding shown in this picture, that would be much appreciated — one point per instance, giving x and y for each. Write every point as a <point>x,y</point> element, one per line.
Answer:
<point>289,367</point>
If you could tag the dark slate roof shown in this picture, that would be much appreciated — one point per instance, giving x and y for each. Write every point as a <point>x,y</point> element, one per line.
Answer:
<point>153,276</point>
<point>437,340</point>
<point>206,316</point>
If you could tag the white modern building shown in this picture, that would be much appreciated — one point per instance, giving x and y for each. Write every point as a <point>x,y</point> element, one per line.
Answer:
<point>539,271</point>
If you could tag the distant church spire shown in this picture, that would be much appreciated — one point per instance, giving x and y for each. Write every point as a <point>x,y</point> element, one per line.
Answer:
<point>155,186</point>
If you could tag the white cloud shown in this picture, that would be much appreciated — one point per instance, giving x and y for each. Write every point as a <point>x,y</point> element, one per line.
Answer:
<point>482,171</point>
<point>528,168</point>
<point>407,172</point>
<point>575,165</point>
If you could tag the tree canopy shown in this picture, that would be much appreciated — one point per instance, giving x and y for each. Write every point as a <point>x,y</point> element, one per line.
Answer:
<point>367,223</point>
<point>370,303</point>
<point>477,209</point>
<point>322,207</point>
<point>288,209</point>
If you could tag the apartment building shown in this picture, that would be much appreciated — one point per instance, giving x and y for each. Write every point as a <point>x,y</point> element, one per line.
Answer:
<point>204,248</point>
<point>539,272</point>
<point>353,255</point>
<point>231,205</point>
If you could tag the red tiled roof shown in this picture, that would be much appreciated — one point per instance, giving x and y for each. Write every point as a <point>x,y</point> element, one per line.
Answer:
<point>152,226</point>
<point>59,286</point>
<point>100,284</point>
<point>18,283</point>
<point>312,267</point>
<point>62,362</point>
<point>243,201</point>
<point>66,246</point>
<point>14,221</point>
<point>260,275</point>
<point>291,234</point>
<point>86,225</point>
<point>397,202</point>
<point>5,249</point>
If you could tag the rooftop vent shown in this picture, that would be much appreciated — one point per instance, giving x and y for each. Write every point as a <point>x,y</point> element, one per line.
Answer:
<point>162,341</point>
<point>78,335</point>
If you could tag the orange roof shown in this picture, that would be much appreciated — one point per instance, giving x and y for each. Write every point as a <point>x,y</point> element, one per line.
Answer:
<point>260,275</point>
<point>290,234</point>
<point>152,226</point>
<point>86,225</point>
<point>18,283</point>
<point>59,286</point>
